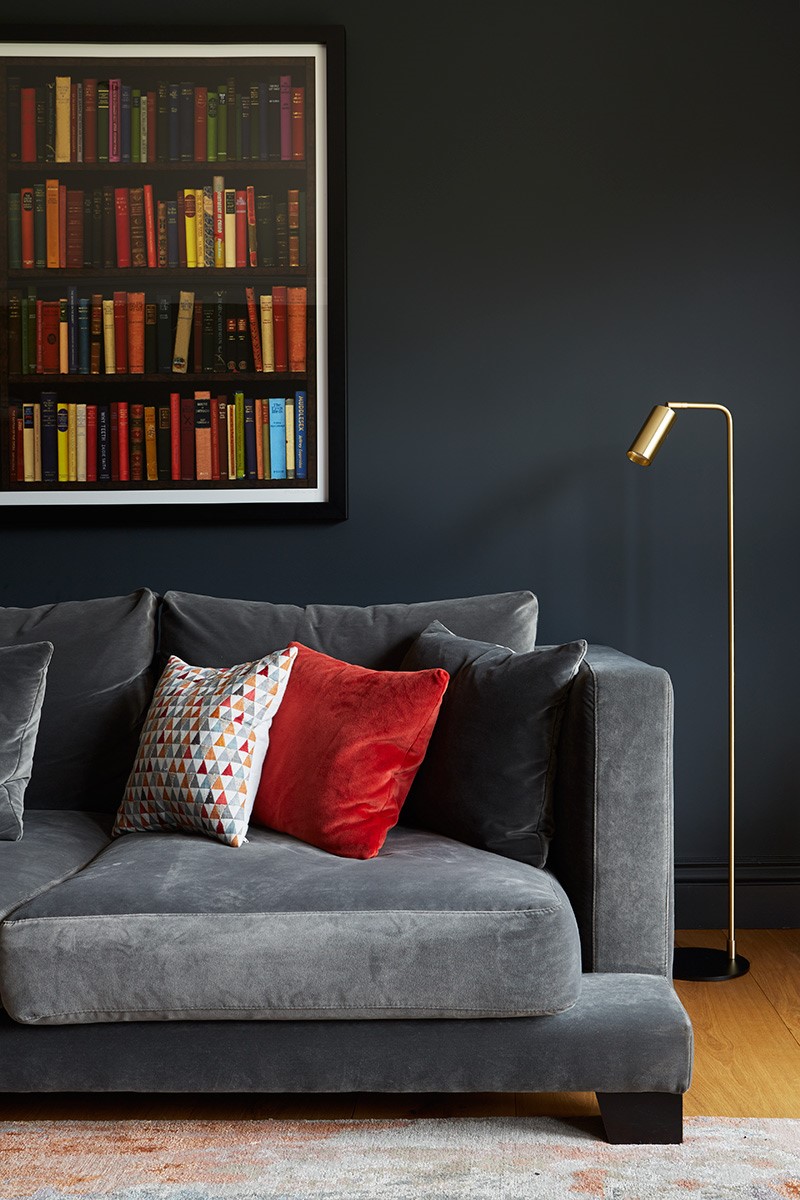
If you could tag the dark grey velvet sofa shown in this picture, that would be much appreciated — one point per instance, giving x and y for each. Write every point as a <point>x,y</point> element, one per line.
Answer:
<point>159,962</point>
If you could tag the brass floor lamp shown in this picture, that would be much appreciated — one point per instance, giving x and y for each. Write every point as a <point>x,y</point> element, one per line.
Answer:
<point>694,962</point>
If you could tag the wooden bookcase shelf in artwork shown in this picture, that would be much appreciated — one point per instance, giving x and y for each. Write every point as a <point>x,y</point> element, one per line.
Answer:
<point>159,278</point>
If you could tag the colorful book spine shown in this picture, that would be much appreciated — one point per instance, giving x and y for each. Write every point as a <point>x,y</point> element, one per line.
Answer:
<point>202,435</point>
<point>187,437</point>
<point>277,437</point>
<point>114,120</point>
<point>175,435</point>
<point>136,418</point>
<point>91,443</point>
<point>47,403</point>
<point>103,443</point>
<point>123,441</point>
<point>286,117</point>
<point>150,446</point>
<point>238,400</point>
<point>250,455</point>
<point>183,332</point>
<point>62,438</point>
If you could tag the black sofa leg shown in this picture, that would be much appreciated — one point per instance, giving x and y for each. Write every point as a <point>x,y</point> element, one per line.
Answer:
<point>649,1118</point>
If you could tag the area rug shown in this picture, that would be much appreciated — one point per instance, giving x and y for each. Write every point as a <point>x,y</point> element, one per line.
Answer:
<point>456,1159</point>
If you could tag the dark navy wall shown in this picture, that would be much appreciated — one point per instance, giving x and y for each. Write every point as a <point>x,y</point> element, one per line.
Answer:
<point>559,214</point>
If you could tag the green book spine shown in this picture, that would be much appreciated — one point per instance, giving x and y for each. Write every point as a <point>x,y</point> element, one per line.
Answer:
<point>212,108</point>
<point>39,226</point>
<point>238,400</point>
<point>102,120</point>
<point>136,124</point>
<point>222,123</point>
<point>14,231</point>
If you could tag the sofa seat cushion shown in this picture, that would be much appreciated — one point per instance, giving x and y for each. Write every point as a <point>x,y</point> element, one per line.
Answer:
<point>54,846</point>
<point>174,927</point>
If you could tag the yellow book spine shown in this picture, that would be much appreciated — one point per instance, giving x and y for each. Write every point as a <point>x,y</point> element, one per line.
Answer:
<point>290,453</point>
<point>267,335</point>
<point>28,449</point>
<point>72,442</point>
<point>230,227</point>
<point>63,101</point>
<point>63,336</point>
<point>190,218</point>
<point>37,443</point>
<point>62,437</point>
<point>231,428</point>
<point>199,228</point>
<point>238,398</point>
<point>109,345</point>
<point>150,443</point>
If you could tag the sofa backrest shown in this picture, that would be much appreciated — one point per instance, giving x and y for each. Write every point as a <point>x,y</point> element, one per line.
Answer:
<point>99,686</point>
<point>207,631</point>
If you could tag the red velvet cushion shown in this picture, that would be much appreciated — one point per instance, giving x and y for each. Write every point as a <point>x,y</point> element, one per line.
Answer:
<point>344,749</point>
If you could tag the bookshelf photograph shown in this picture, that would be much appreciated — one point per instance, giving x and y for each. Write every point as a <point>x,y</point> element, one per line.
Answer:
<point>172,269</point>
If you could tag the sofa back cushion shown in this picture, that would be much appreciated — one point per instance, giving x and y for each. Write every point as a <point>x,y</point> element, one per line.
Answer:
<point>211,632</point>
<point>99,686</point>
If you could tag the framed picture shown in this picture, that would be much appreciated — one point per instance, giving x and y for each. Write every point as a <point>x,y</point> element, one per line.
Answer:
<point>172,269</point>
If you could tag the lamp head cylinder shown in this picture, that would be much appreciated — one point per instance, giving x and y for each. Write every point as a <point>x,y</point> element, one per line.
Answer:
<point>648,441</point>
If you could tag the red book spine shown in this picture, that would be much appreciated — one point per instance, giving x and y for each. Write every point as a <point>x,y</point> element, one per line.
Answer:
<point>181,228</point>
<point>150,225</point>
<point>27,100</point>
<point>279,328</point>
<point>241,228</point>
<point>89,136</point>
<point>39,338</point>
<point>175,434</point>
<point>136,333</point>
<point>214,440</point>
<point>50,332</point>
<point>62,225</point>
<point>200,123</point>
<point>259,404</point>
<point>187,437</point>
<point>255,336</point>
<point>136,425</point>
<point>124,442</point>
<point>151,126</point>
<point>91,443</point>
<point>122,209</point>
<point>114,119</point>
<point>114,437</point>
<point>121,332</point>
<point>26,201</point>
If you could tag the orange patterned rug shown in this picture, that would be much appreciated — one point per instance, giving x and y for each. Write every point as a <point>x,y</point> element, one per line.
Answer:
<point>456,1159</point>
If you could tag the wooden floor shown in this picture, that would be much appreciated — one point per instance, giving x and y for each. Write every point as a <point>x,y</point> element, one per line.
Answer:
<point>747,1061</point>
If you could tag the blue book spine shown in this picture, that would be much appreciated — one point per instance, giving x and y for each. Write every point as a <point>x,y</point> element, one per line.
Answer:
<point>103,443</point>
<point>84,322</point>
<point>277,438</point>
<point>300,443</point>
<point>72,328</point>
<point>125,122</point>
<point>172,234</point>
<point>49,439</point>
<point>250,471</point>
<point>173,121</point>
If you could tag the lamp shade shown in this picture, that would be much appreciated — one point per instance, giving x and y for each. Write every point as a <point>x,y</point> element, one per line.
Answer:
<point>649,438</point>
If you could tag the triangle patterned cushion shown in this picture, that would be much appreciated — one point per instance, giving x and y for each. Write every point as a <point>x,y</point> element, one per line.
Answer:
<point>203,746</point>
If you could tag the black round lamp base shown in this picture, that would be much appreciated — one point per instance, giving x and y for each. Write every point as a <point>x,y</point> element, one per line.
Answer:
<point>710,966</point>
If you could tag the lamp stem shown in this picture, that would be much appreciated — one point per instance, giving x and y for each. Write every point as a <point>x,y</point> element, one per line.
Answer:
<point>731,949</point>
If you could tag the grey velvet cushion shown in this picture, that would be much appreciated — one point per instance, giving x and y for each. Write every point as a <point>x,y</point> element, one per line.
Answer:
<point>23,675</point>
<point>55,845</point>
<point>214,632</point>
<point>487,778</point>
<point>170,926</point>
<point>99,685</point>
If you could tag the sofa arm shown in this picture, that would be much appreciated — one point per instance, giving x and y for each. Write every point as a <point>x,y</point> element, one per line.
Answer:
<point>613,844</point>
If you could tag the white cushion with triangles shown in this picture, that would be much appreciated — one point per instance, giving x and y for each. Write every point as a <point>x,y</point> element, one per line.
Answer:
<point>203,746</point>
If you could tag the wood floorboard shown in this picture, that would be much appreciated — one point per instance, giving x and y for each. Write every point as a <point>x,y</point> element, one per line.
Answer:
<point>747,1063</point>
